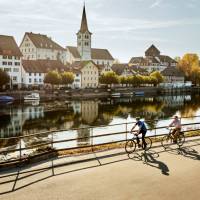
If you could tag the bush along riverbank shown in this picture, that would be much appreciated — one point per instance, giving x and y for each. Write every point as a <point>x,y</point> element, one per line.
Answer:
<point>46,95</point>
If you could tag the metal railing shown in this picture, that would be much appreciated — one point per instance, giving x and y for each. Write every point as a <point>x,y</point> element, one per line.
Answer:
<point>91,137</point>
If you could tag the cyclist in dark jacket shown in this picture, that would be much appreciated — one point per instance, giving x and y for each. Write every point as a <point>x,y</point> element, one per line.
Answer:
<point>142,130</point>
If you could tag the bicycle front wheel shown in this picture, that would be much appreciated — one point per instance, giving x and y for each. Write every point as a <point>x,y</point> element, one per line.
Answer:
<point>180,139</point>
<point>130,146</point>
<point>166,141</point>
<point>148,145</point>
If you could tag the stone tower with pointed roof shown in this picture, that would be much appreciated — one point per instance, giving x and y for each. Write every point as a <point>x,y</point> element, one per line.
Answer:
<point>84,38</point>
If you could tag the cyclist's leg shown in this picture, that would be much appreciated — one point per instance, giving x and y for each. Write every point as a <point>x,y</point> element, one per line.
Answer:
<point>176,134</point>
<point>143,138</point>
<point>138,140</point>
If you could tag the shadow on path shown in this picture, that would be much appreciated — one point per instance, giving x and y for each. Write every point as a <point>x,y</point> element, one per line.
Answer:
<point>149,158</point>
<point>187,152</point>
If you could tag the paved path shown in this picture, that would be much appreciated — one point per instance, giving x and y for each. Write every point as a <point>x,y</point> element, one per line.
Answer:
<point>172,175</point>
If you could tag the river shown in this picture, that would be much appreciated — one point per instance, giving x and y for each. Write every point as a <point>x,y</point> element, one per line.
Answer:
<point>36,117</point>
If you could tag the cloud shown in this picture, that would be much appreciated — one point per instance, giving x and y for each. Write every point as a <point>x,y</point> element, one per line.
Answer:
<point>156,3</point>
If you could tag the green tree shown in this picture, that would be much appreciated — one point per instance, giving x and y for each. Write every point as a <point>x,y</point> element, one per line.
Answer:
<point>158,77</point>
<point>53,78</point>
<point>67,78</point>
<point>109,78</point>
<point>124,80</point>
<point>4,78</point>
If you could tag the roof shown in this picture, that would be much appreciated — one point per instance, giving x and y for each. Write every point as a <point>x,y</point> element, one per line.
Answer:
<point>119,68</point>
<point>96,54</point>
<point>138,60</point>
<point>139,70</point>
<point>43,66</point>
<point>8,46</point>
<point>84,26</point>
<point>101,54</point>
<point>172,71</point>
<point>154,59</point>
<point>74,51</point>
<point>168,59</point>
<point>43,41</point>
<point>152,51</point>
<point>78,65</point>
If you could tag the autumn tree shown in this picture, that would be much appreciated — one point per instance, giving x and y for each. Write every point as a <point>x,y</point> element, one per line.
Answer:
<point>189,64</point>
<point>4,78</point>
<point>157,76</point>
<point>53,78</point>
<point>109,78</point>
<point>67,78</point>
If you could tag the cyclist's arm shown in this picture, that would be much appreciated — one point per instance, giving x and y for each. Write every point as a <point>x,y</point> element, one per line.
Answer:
<point>133,127</point>
<point>171,124</point>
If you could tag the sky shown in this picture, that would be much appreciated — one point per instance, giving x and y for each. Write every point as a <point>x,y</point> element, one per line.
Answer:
<point>125,27</point>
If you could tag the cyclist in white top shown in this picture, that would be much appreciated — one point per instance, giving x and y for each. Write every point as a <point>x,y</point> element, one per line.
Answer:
<point>177,127</point>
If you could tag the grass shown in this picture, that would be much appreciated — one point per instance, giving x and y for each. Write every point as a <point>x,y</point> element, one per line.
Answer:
<point>115,145</point>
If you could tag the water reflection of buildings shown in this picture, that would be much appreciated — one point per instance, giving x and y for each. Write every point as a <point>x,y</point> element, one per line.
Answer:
<point>18,117</point>
<point>87,109</point>
<point>174,101</point>
<point>83,138</point>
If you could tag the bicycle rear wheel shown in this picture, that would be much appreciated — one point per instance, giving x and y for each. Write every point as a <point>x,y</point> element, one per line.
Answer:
<point>130,146</point>
<point>180,139</point>
<point>166,141</point>
<point>148,144</point>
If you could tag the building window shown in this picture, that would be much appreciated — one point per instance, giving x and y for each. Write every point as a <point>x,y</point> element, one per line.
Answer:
<point>86,36</point>
<point>40,80</point>
<point>17,63</point>
<point>39,74</point>
<point>35,80</point>
<point>29,80</point>
<point>4,57</point>
<point>14,78</point>
<point>9,57</point>
<point>77,75</point>
<point>34,74</point>
<point>29,74</point>
<point>4,63</point>
<point>15,70</point>
<point>7,69</point>
<point>9,63</point>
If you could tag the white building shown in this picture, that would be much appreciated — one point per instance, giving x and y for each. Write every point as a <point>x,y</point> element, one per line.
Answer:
<point>10,60</point>
<point>84,51</point>
<point>38,46</point>
<point>173,77</point>
<point>153,60</point>
<point>86,74</point>
<point>34,71</point>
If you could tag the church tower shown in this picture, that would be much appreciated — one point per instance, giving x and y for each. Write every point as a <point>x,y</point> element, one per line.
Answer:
<point>84,38</point>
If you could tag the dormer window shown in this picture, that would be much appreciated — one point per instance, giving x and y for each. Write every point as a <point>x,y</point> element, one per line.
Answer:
<point>86,36</point>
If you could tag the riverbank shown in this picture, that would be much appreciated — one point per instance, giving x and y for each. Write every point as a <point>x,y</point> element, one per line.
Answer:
<point>49,95</point>
<point>49,153</point>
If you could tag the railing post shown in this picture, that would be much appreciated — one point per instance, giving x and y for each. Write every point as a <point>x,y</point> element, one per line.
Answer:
<point>126,130</point>
<point>91,137</point>
<point>20,149</point>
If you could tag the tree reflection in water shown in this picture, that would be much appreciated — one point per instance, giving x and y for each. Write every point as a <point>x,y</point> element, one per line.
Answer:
<point>27,120</point>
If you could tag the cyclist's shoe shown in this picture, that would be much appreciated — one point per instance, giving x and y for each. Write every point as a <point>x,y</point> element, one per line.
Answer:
<point>139,145</point>
<point>145,146</point>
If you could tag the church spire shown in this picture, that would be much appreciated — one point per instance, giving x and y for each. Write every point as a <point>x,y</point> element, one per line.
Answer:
<point>84,26</point>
